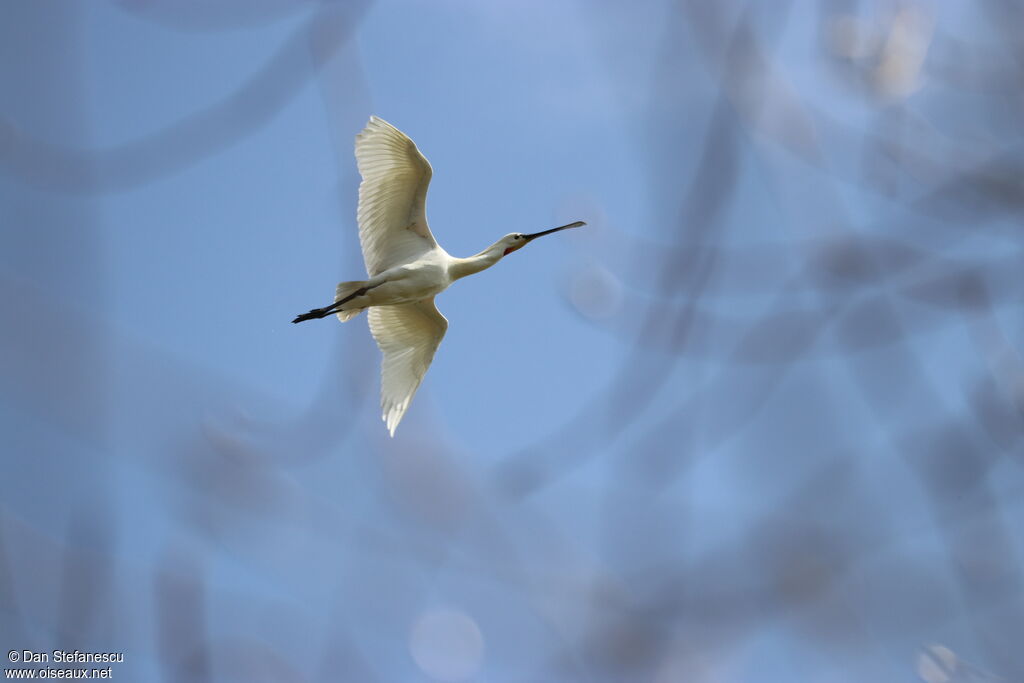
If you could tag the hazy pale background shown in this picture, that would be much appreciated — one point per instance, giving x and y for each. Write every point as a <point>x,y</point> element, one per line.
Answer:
<point>760,421</point>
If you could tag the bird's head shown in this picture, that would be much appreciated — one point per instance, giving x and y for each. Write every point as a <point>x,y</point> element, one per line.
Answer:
<point>517,240</point>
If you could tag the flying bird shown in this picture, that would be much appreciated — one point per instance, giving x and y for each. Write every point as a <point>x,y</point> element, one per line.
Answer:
<point>406,265</point>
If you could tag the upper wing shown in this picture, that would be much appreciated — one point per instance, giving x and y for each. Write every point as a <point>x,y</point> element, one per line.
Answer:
<point>408,335</point>
<point>392,197</point>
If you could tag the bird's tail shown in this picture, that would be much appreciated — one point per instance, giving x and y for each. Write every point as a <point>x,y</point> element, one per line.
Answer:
<point>345,289</point>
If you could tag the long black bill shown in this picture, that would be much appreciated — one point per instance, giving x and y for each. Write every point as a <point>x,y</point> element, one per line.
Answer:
<point>535,235</point>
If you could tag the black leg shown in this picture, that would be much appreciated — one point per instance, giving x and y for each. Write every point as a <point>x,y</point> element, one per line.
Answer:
<point>312,315</point>
<point>353,295</point>
<point>333,308</point>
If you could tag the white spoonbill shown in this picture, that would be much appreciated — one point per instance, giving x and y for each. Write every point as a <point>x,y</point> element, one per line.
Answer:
<point>407,266</point>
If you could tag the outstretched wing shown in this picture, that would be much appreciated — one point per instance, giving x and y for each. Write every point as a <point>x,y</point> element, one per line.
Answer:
<point>392,197</point>
<point>408,335</point>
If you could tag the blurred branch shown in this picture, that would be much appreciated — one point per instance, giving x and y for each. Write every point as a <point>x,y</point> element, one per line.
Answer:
<point>194,137</point>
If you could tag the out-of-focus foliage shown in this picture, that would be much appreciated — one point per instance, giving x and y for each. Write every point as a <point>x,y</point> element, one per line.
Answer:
<point>806,462</point>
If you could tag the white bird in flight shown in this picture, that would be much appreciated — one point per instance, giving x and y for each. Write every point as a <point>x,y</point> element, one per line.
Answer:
<point>407,266</point>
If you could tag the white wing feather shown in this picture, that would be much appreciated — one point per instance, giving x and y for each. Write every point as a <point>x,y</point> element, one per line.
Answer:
<point>392,197</point>
<point>408,335</point>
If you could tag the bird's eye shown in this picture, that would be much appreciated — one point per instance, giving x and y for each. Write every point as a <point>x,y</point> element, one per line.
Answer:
<point>515,237</point>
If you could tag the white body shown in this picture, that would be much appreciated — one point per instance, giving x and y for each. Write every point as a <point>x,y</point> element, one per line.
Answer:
<point>425,277</point>
<point>406,266</point>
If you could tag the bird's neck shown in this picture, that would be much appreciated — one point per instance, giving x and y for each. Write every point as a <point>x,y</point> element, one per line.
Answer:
<point>461,267</point>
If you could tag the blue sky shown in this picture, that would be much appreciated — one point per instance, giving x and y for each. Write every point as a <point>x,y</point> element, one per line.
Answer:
<point>748,425</point>
<point>241,239</point>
